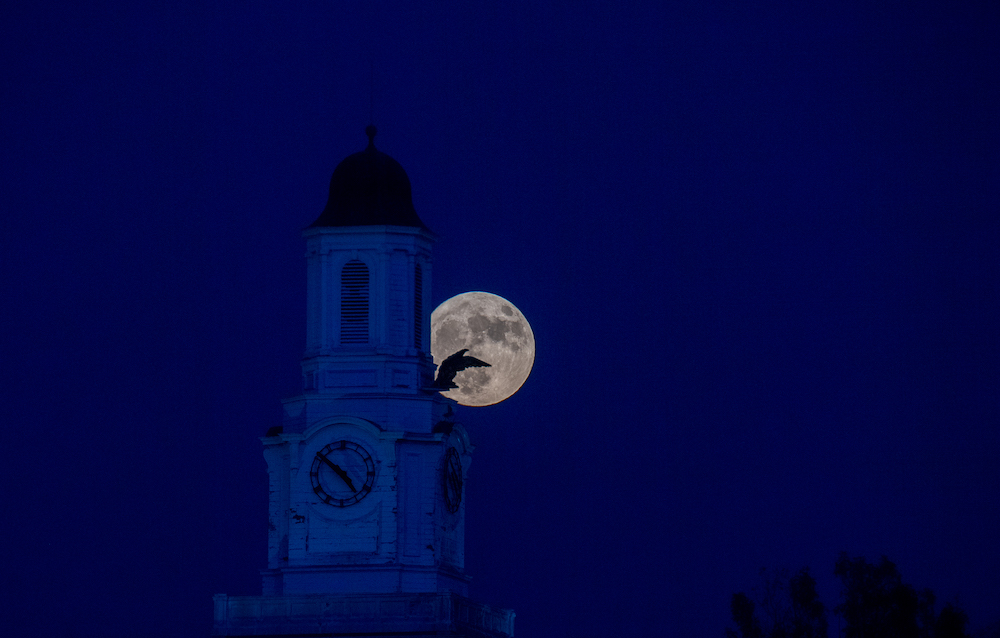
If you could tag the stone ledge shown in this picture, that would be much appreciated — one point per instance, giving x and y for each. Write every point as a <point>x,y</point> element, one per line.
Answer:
<point>443,613</point>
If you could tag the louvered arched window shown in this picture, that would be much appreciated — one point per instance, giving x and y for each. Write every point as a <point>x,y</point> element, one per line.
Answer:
<point>418,306</point>
<point>354,303</point>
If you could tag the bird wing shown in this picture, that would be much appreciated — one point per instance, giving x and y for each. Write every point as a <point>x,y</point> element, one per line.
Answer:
<point>453,365</point>
<point>456,357</point>
<point>472,362</point>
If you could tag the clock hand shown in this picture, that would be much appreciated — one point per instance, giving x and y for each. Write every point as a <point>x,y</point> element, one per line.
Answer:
<point>336,468</point>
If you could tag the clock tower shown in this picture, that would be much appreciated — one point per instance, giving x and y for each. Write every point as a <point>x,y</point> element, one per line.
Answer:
<point>366,508</point>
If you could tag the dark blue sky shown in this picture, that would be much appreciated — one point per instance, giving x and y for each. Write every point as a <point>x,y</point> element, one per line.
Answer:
<point>757,247</point>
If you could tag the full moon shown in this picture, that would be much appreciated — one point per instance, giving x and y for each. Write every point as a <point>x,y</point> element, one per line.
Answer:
<point>494,331</point>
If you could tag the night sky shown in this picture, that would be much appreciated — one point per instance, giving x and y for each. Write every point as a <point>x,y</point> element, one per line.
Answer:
<point>757,245</point>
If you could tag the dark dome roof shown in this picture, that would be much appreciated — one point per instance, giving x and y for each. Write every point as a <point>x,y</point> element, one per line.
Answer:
<point>369,189</point>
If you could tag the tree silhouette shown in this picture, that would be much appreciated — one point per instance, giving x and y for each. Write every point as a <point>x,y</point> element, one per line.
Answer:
<point>808,613</point>
<point>785,608</point>
<point>743,615</point>
<point>951,623</point>
<point>875,603</point>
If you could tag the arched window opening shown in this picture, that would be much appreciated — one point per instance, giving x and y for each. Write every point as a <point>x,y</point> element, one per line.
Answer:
<point>418,306</point>
<point>354,303</point>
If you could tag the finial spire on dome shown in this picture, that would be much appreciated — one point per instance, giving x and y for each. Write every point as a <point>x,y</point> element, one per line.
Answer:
<point>370,131</point>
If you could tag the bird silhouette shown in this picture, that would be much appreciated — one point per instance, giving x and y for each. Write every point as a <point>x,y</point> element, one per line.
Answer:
<point>453,365</point>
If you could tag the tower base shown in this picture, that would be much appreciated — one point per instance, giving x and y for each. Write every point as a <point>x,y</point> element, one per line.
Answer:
<point>369,615</point>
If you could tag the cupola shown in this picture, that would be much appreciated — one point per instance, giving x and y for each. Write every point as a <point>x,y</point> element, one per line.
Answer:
<point>369,189</point>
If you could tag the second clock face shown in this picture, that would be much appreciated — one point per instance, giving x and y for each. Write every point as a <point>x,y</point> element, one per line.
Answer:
<point>452,475</point>
<point>342,473</point>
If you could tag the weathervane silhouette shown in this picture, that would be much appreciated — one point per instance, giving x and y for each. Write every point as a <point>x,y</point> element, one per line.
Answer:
<point>453,365</point>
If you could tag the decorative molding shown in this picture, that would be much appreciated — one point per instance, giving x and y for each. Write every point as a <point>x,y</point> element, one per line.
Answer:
<point>368,614</point>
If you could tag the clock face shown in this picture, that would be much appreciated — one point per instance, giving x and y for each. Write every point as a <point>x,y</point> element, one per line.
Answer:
<point>452,475</point>
<point>342,473</point>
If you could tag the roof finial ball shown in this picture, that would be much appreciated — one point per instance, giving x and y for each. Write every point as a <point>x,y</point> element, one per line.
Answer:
<point>370,131</point>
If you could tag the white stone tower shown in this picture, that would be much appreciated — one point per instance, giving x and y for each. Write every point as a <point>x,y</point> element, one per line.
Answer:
<point>367,472</point>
